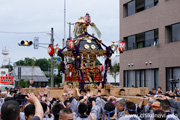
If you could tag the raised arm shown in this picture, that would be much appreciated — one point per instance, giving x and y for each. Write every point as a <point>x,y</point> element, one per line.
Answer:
<point>38,107</point>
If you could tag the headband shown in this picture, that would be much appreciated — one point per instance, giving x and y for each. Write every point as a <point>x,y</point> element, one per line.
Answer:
<point>23,103</point>
<point>108,113</point>
<point>130,110</point>
<point>56,114</point>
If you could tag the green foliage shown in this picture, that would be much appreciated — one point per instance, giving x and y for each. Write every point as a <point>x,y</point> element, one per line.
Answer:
<point>20,63</point>
<point>28,61</point>
<point>8,66</point>
<point>58,78</point>
<point>114,71</point>
<point>23,83</point>
<point>44,64</point>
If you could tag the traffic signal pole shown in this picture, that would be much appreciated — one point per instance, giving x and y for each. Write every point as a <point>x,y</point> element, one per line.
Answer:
<point>52,66</point>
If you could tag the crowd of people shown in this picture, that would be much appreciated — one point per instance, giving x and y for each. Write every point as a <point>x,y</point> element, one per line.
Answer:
<point>87,106</point>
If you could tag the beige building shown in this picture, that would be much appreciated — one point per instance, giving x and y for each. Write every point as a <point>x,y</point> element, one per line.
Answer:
<point>151,31</point>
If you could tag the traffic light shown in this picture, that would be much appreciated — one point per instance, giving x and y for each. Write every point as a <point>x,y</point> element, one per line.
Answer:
<point>25,43</point>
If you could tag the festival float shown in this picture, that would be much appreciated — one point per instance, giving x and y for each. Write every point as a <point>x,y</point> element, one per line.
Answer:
<point>84,49</point>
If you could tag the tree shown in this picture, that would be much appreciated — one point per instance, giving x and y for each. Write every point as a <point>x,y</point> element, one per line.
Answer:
<point>114,71</point>
<point>58,78</point>
<point>23,83</point>
<point>20,63</point>
<point>8,66</point>
<point>44,64</point>
<point>28,61</point>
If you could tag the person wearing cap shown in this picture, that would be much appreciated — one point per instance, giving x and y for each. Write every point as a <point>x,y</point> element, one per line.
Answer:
<point>155,106</point>
<point>130,110</point>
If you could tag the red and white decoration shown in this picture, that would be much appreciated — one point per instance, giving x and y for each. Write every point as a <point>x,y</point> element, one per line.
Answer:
<point>87,19</point>
<point>69,66</point>
<point>50,50</point>
<point>100,68</point>
<point>121,47</point>
<point>31,81</point>
<point>69,44</point>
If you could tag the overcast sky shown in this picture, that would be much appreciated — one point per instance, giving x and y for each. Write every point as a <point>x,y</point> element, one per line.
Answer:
<point>41,15</point>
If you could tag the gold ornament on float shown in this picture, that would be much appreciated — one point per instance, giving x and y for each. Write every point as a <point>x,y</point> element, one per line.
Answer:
<point>86,46</point>
<point>93,47</point>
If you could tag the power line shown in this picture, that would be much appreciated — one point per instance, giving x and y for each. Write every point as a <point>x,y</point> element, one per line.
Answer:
<point>24,32</point>
<point>57,36</point>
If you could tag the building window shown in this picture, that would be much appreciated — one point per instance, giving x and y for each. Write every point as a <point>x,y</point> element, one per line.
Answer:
<point>131,40</point>
<point>131,8</point>
<point>136,6</point>
<point>149,38</point>
<point>173,33</point>
<point>176,32</point>
<point>149,3</point>
<point>141,40</point>
<point>172,76</point>
<point>139,5</point>
<point>142,78</point>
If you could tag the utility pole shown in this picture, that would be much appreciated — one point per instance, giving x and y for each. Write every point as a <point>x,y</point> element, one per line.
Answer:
<point>9,65</point>
<point>52,66</point>
<point>64,23</point>
<point>70,29</point>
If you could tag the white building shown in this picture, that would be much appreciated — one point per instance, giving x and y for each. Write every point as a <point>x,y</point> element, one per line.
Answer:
<point>3,71</point>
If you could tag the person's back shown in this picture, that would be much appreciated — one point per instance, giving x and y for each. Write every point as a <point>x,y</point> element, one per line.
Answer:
<point>159,115</point>
<point>56,109</point>
<point>175,104</point>
<point>109,111</point>
<point>29,111</point>
<point>171,117</point>
<point>10,110</point>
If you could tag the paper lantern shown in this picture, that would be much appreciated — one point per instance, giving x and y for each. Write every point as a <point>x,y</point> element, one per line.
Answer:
<point>69,44</point>
<point>51,50</point>
<point>121,47</point>
<point>87,19</point>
